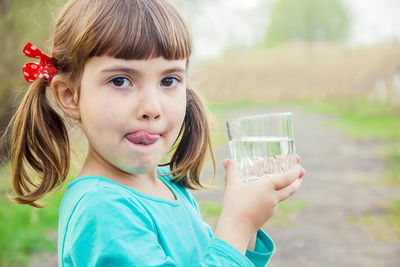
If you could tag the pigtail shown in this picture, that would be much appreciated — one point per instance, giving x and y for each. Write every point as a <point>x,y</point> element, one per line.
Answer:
<point>188,158</point>
<point>39,143</point>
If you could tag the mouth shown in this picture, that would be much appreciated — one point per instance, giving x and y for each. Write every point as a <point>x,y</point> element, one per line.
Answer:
<point>142,137</point>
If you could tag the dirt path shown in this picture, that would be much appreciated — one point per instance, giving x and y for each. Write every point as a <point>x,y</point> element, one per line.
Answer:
<point>339,189</point>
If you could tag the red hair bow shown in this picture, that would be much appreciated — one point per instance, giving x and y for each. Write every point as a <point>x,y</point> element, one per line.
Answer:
<point>44,69</point>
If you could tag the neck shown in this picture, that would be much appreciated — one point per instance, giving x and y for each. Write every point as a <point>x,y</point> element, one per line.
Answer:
<point>98,166</point>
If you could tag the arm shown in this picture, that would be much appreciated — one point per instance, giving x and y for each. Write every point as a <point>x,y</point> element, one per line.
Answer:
<point>247,206</point>
<point>261,252</point>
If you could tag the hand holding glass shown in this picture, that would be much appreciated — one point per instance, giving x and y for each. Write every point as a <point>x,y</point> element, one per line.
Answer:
<point>262,145</point>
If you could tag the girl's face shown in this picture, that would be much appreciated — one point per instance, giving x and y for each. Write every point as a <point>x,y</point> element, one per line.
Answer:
<point>132,110</point>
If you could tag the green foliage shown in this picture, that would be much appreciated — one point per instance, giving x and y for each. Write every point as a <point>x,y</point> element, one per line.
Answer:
<point>362,119</point>
<point>210,209</point>
<point>286,212</point>
<point>20,22</point>
<point>26,231</point>
<point>393,167</point>
<point>284,215</point>
<point>395,215</point>
<point>385,226</point>
<point>19,25</point>
<point>308,20</point>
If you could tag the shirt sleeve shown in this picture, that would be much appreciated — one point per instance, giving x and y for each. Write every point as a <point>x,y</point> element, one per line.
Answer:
<point>264,249</point>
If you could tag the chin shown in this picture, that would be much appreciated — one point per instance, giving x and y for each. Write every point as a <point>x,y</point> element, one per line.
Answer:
<point>139,169</point>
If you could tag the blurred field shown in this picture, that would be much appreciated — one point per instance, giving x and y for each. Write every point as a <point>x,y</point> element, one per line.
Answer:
<point>303,71</point>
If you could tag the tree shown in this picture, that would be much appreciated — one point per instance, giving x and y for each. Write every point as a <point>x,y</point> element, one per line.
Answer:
<point>19,23</point>
<point>308,20</point>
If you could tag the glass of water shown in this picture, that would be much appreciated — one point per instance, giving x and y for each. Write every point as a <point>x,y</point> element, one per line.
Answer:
<point>262,145</point>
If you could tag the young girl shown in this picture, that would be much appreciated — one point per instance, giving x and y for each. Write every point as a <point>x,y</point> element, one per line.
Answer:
<point>119,67</point>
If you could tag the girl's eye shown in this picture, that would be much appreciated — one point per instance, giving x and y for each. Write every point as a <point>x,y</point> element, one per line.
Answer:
<point>120,82</point>
<point>169,82</point>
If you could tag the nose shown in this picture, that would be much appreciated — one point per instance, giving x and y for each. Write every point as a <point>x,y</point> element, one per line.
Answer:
<point>149,106</point>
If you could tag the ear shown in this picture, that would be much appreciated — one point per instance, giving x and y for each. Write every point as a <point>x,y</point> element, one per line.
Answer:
<point>66,96</point>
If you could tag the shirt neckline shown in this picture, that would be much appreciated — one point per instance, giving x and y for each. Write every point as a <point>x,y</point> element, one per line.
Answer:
<point>153,198</point>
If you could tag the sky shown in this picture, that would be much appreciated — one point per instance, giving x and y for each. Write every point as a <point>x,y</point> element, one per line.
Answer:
<point>221,24</point>
<point>374,20</point>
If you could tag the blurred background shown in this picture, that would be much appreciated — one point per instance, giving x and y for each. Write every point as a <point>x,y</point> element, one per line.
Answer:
<point>334,63</point>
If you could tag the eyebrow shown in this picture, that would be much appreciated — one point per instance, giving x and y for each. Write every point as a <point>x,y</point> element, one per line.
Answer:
<point>174,70</point>
<point>133,71</point>
<point>119,69</point>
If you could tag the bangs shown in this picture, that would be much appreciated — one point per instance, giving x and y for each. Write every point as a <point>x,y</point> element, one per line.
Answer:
<point>137,29</point>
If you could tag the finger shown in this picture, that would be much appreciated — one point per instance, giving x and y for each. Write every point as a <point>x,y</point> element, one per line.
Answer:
<point>288,191</point>
<point>232,174</point>
<point>283,180</point>
<point>297,159</point>
<point>302,173</point>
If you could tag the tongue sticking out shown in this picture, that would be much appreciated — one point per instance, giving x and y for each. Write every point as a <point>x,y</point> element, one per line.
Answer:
<point>142,137</point>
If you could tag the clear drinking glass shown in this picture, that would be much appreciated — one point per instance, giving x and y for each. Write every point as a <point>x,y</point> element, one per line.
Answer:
<point>262,145</point>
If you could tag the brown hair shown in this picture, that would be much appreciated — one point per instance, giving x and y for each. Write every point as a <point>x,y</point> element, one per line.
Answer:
<point>88,28</point>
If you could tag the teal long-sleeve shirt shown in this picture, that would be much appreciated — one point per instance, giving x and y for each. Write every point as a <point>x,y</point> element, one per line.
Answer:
<point>103,223</point>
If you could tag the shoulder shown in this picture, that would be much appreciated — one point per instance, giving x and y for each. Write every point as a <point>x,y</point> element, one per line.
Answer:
<point>95,190</point>
<point>104,213</point>
<point>99,221</point>
<point>95,199</point>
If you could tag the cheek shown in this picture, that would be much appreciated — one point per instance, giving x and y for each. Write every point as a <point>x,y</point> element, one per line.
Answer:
<point>181,110</point>
<point>176,113</point>
<point>99,114</point>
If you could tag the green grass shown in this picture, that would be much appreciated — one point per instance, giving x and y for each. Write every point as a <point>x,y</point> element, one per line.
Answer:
<point>286,213</point>
<point>210,209</point>
<point>26,231</point>
<point>283,217</point>
<point>385,227</point>
<point>393,166</point>
<point>361,119</point>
